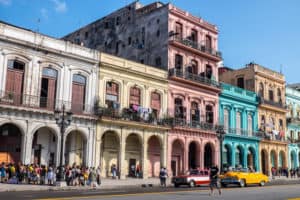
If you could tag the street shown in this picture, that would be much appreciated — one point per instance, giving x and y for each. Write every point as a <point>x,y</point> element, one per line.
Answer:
<point>249,193</point>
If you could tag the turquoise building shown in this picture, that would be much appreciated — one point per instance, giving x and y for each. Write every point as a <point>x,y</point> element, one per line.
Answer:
<point>293,125</point>
<point>238,113</point>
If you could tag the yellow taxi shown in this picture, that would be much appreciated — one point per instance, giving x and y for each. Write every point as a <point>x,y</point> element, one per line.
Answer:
<point>243,177</point>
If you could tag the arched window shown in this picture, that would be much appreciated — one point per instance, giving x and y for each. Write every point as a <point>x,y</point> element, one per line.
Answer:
<point>209,114</point>
<point>271,94</point>
<point>279,96</point>
<point>208,72</point>
<point>135,96</point>
<point>178,31</point>
<point>261,90</point>
<point>208,42</point>
<point>155,103</point>
<point>78,93</point>
<point>112,95</point>
<point>263,123</point>
<point>178,62</point>
<point>48,88</point>
<point>238,156</point>
<point>15,81</point>
<point>180,111</point>
<point>195,112</point>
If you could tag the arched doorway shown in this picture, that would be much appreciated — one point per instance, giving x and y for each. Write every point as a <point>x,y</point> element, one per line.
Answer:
<point>208,156</point>
<point>264,162</point>
<point>133,154</point>
<point>177,157</point>
<point>227,161</point>
<point>76,147</point>
<point>239,157</point>
<point>154,156</point>
<point>251,159</point>
<point>273,159</point>
<point>10,143</point>
<point>282,160</point>
<point>44,146</point>
<point>110,148</point>
<point>193,156</point>
<point>293,159</point>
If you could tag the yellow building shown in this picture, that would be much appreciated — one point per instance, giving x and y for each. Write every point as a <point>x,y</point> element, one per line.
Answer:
<point>270,87</point>
<point>131,133</point>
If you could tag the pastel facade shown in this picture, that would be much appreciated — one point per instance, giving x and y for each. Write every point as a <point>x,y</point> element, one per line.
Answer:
<point>269,86</point>
<point>38,75</point>
<point>166,37</point>
<point>238,114</point>
<point>293,126</point>
<point>124,137</point>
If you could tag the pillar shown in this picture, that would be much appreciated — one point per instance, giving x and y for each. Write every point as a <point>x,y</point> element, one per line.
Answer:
<point>233,155</point>
<point>122,167</point>
<point>186,155</point>
<point>232,117</point>
<point>245,160</point>
<point>145,159</point>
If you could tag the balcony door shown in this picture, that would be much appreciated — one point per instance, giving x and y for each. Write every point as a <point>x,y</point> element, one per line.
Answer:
<point>48,88</point>
<point>78,93</point>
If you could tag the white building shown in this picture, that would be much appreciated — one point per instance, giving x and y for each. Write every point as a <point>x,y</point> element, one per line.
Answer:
<point>39,74</point>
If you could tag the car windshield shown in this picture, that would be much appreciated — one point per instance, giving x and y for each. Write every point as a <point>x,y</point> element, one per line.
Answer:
<point>239,170</point>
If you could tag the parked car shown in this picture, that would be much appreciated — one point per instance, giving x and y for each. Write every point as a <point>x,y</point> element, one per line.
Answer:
<point>243,177</point>
<point>192,178</point>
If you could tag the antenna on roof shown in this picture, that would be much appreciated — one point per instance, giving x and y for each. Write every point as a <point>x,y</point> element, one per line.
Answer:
<point>280,69</point>
<point>38,25</point>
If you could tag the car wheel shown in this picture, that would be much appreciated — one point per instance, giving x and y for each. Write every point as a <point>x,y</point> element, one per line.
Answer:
<point>242,183</point>
<point>262,183</point>
<point>224,185</point>
<point>176,185</point>
<point>192,184</point>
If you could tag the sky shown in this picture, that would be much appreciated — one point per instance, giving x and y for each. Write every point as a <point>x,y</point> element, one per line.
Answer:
<point>266,32</point>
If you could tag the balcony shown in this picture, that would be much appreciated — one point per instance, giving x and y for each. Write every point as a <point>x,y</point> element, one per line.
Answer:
<point>270,136</point>
<point>293,140</point>
<point>272,103</point>
<point>242,132</point>
<point>293,120</point>
<point>14,100</point>
<point>182,123</point>
<point>193,77</point>
<point>197,46</point>
<point>127,114</point>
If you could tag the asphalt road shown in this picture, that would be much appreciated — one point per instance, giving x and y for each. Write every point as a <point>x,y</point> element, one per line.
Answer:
<point>279,192</point>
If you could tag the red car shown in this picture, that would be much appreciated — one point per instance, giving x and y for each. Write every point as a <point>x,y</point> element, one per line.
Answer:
<point>192,178</point>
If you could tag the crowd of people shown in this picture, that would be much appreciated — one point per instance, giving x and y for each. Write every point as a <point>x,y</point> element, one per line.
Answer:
<point>282,171</point>
<point>42,175</point>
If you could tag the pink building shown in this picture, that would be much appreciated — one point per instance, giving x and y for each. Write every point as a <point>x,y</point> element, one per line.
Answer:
<point>168,38</point>
<point>193,92</point>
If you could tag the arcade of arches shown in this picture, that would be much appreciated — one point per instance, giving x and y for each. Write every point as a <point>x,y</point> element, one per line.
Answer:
<point>272,155</point>
<point>134,153</point>
<point>240,155</point>
<point>43,146</point>
<point>192,153</point>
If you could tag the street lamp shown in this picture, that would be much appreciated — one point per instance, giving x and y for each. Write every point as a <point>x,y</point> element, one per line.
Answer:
<point>221,135</point>
<point>63,120</point>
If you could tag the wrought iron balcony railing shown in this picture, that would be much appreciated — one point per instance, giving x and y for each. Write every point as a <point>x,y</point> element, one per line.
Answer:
<point>272,103</point>
<point>179,122</point>
<point>271,136</point>
<point>193,77</point>
<point>195,45</point>
<point>43,103</point>
<point>242,132</point>
<point>129,115</point>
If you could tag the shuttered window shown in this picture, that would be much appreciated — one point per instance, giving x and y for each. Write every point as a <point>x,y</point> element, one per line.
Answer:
<point>155,101</point>
<point>135,96</point>
<point>78,93</point>
<point>48,88</point>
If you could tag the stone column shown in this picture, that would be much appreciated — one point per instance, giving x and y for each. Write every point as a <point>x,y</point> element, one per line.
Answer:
<point>232,117</point>
<point>122,156</point>
<point>233,155</point>
<point>164,152</point>
<point>245,160</point>
<point>244,119</point>
<point>145,158</point>
<point>186,155</point>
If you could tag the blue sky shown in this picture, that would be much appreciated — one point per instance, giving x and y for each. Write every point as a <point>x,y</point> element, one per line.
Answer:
<point>264,31</point>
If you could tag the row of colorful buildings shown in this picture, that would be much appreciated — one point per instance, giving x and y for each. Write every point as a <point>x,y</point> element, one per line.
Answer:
<point>146,88</point>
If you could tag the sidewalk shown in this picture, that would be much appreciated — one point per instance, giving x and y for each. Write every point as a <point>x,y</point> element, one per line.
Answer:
<point>110,184</point>
<point>106,184</point>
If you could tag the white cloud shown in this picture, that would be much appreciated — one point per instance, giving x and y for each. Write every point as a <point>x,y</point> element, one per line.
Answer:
<point>60,6</point>
<point>5,2</point>
<point>44,13</point>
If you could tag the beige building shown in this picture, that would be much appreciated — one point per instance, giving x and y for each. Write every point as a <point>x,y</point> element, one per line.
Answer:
<point>270,87</point>
<point>130,132</point>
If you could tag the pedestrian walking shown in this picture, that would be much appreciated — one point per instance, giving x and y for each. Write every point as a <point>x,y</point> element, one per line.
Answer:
<point>50,176</point>
<point>163,177</point>
<point>93,178</point>
<point>98,172</point>
<point>214,180</point>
